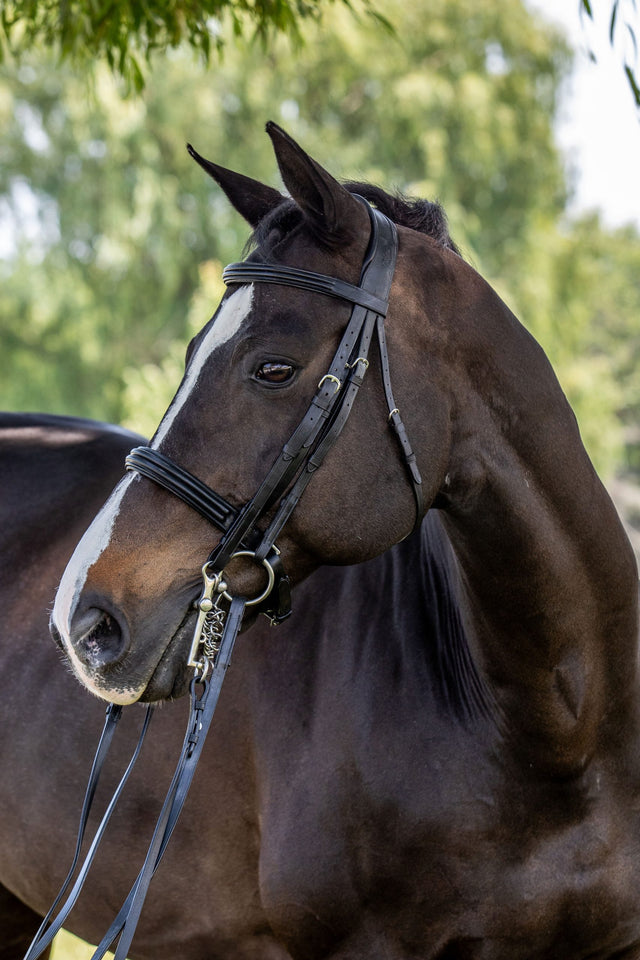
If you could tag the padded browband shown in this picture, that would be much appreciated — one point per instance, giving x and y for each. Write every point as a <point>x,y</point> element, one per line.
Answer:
<point>247,272</point>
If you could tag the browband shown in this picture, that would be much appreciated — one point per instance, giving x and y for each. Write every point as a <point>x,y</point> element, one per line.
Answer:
<point>247,272</point>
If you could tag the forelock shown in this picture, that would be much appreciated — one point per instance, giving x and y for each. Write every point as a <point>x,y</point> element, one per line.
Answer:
<point>424,216</point>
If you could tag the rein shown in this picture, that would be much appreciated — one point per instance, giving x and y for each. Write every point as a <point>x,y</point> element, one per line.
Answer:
<point>219,614</point>
<point>204,693</point>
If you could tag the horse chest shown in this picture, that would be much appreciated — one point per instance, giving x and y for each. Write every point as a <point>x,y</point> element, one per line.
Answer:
<point>433,858</point>
<point>389,827</point>
<point>371,845</point>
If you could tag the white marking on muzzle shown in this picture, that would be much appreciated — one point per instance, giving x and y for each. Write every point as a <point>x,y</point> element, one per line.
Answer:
<point>84,556</point>
<point>122,695</point>
<point>230,318</point>
<point>233,312</point>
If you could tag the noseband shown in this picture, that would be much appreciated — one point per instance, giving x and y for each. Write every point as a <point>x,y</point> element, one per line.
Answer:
<point>317,432</point>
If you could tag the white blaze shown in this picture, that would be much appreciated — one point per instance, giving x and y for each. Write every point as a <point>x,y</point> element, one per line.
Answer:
<point>84,556</point>
<point>233,313</point>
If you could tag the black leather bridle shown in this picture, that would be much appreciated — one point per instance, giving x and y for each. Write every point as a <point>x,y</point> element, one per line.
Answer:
<point>320,427</point>
<point>282,488</point>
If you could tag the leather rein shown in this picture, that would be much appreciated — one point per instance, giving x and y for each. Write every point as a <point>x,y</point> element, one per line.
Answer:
<point>218,623</point>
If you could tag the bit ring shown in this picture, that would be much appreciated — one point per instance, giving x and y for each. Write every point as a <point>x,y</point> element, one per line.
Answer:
<point>271,578</point>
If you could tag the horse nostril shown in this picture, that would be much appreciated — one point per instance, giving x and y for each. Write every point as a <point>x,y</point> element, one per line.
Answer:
<point>97,637</point>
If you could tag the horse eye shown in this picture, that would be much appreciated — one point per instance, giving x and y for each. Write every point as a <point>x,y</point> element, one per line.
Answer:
<point>275,372</point>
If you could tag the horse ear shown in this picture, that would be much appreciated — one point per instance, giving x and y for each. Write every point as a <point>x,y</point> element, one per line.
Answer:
<point>335,214</point>
<point>252,199</point>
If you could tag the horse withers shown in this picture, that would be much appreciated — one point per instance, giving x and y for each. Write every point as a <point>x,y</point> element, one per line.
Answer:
<point>436,756</point>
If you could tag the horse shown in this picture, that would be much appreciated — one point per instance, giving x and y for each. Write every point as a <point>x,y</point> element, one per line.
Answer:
<point>437,754</point>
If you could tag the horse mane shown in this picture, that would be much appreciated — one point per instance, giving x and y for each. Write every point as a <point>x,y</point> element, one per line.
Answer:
<point>459,685</point>
<point>424,216</point>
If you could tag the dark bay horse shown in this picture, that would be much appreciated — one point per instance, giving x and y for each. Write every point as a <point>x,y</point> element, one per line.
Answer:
<point>437,756</point>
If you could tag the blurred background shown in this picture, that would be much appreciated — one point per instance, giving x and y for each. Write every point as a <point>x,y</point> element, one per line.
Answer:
<point>111,238</point>
<point>520,117</point>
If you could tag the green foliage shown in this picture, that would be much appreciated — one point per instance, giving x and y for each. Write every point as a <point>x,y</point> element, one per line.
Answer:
<point>577,291</point>
<point>149,387</point>
<point>119,236</point>
<point>623,19</point>
<point>126,33</point>
<point>119,227</point>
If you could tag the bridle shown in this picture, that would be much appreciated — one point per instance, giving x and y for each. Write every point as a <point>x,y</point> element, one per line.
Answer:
<point>217,627</point>
<point>316,433</point>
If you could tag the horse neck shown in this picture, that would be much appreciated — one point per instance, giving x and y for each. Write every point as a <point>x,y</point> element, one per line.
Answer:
<point>549,582</point>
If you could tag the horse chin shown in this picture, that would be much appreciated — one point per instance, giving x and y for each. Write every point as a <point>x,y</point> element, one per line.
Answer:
<point>172,675</point>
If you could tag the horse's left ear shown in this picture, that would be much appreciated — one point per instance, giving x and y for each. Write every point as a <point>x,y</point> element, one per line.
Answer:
<point>252,199</point>
<point>336,216</point>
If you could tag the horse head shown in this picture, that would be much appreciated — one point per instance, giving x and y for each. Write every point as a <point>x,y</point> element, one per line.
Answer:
<point>124,610</point>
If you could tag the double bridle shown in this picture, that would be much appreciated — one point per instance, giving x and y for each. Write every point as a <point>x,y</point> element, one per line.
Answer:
<point>318,430</point>
<point>217,627</point>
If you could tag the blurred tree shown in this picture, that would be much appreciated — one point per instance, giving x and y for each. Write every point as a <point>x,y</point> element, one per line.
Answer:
<point>123,33</point>
<point>117,218</point>
<point>577,290</point>
<point>111,237</point>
